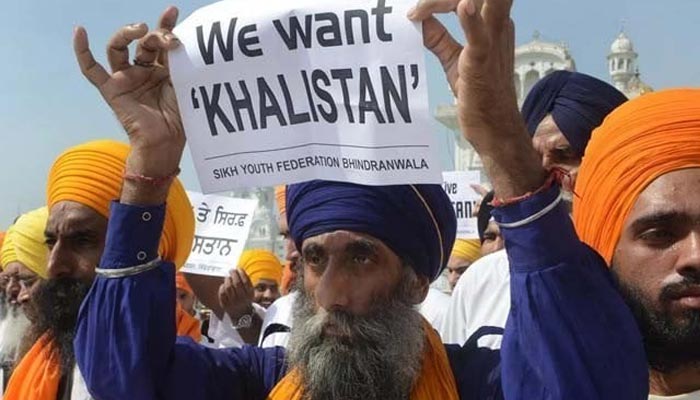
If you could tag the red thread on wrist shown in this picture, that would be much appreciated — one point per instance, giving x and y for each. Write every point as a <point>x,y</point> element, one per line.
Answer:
<point>151,180</point>
<point>555,175</point>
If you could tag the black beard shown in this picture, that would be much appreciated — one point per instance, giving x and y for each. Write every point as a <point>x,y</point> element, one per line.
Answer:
<point>57,302</point>
<point>375,357</point>
<point>670,343</point>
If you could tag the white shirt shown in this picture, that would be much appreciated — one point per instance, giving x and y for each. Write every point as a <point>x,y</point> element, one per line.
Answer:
<point>480,298</point>
<point>224,334</point>
<point>278,314</point>
<point>434,307</point>
<point>687,396</point>
<point>79,390</point>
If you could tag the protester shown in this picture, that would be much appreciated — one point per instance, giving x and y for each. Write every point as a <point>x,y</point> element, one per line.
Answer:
<point>23,260</point>
<point>185,295</point>
<point>357,335</point>
<point>81,185</point>
<point>278,319</point>
<point>489,232</point>
<point>637,207</point>
<point>560,112</point>
<point>265,272</point>
<point>185,314</point>
<point>464,253</point>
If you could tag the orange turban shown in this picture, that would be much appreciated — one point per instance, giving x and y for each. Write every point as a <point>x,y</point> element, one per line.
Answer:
<point>91,174</point>
<point>281,199</point>
<point>469,250</point>
<point>261,264</point>
<point>181,283</point>
<point>642,140</point>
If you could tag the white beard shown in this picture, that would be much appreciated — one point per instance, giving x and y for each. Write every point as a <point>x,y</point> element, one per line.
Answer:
<point>12,330</point>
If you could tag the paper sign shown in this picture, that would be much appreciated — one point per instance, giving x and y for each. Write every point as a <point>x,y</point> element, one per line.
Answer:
<point>281,91</point>
<point>222,225</point>
<point>464,200</point>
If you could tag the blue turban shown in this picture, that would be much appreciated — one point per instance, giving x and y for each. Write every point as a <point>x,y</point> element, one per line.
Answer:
<point>578,103</point>
<point>417,222</point>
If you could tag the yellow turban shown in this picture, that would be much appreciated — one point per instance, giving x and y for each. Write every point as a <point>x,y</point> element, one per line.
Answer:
<point>640,141</point>
<point>91,174</point>
<point>261,264</point>
<point>281,199</point>
<point>469,250</point>
<point>25,242</point>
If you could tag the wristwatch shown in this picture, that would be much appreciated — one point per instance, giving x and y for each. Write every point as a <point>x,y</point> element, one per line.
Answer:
<point>245,321</point>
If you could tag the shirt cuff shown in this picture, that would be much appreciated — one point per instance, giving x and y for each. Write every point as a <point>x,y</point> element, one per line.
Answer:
<point>133,235</point>
<point>548,239</point>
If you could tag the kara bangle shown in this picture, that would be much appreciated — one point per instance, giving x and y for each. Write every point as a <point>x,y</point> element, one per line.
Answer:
<point>112,273</point>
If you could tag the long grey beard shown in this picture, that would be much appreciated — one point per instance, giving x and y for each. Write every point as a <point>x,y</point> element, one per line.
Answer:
<point>13,328</point>
<point>377,357</point>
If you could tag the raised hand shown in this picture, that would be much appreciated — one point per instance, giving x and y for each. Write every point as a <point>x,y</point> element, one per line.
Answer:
<point>140,93</point>
<point>481,76</point>
<point>236,295</point>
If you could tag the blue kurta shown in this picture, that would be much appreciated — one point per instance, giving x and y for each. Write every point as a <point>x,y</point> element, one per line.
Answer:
<point>569,334</point>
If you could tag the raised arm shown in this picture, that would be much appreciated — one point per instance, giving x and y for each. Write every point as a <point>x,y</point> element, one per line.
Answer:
<point>569,334</point>
<point>125,341</point>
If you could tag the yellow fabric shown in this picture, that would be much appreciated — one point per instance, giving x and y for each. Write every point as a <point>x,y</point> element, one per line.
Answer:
<point>187,325</point>
<point>436,380</point>
<point>640,141</point>
<point>469,250</point>
<point>38,374</point>
<point>7,254</point>
<point>261,264</point>
<point>281,200</point>
<point>26,242</point>
<point>91,174</point>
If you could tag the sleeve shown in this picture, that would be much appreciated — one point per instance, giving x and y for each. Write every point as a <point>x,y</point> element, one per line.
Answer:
<point>125,344</point>
<point>569,333</point>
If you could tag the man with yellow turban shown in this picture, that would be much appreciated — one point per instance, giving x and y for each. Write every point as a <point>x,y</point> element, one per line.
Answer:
<point>23,259</point>
<point>82,185</point>
<point>265,272</point>
<point>464,253</point>
<point>369,254</point>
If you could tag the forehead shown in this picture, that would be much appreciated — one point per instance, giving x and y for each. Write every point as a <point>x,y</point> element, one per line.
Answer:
<point>548,132</point>
<point>17,268</point>
<point>675,192</point>
<point>69,216</point>
<point>338,241</point>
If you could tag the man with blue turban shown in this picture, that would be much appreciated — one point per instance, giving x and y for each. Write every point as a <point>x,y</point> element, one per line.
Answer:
<point>368,254</point>
<point>560,112</point>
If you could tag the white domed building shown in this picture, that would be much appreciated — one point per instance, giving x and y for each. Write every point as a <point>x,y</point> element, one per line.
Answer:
<point>534,61</point>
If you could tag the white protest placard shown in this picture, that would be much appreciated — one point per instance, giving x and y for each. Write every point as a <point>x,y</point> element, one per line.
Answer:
<point>222,225</point>
<point>280,91</point>
<point>464,199</point>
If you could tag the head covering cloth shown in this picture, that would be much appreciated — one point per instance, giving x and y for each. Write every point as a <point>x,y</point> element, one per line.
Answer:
<point>577,102</point>
<point>91,174</point>
<point>417,222</point>
<point>484,216</point>
<point>261,264</point>
<point>25,242</point>
<point>642,140</point>
<point>467,249</point>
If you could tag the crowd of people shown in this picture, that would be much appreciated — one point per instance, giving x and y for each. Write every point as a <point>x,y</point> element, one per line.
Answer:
<point>584,282</point>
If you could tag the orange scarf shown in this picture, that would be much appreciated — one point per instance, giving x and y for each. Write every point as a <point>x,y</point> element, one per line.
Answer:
<point>188,325</point>
<point>38,374</point>
<point>436,381</point>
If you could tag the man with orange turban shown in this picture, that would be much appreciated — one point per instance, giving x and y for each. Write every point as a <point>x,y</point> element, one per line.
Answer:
<point>638,207</point>
<point>82,185</point>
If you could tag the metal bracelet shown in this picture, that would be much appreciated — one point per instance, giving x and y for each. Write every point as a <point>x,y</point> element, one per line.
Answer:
<point>534,217</point>
<point>112,273</point>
